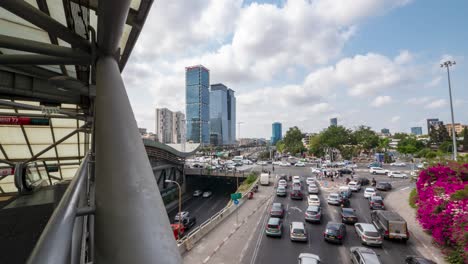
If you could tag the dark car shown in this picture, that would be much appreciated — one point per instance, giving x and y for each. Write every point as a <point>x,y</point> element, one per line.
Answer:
<point>335,232</point>
<point>383,186</point>
<point>376,203</point>
<point>277,210</point>
<point>344,200</point>
<point>345,171</point>
<point>363,181</point>
<point>188,221</point>
<point>297,194</point>
<point>348,216</point>
<point>283,177</point>
<point>418,260</point>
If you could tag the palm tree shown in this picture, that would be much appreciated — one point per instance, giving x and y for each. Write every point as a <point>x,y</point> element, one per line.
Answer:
<point>384,144</point>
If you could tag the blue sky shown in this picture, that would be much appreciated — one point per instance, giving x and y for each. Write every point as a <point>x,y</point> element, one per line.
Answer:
<point>370,62</point>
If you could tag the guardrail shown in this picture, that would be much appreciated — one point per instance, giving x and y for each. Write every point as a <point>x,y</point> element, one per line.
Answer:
<point>208,172</point>
<point>188,242</point>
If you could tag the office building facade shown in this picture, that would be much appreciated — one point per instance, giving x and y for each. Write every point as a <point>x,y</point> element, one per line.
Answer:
<point>164,125</point>
<point>333,121</point>
<point>416,131</point>
<point>276,133</point>
<point>231,116</point>
<point>219,130</point>
<point>178,127</point>
<point>433,122</point>
<point>458,128</point>
<point>197,99</point>
<point>385,131</point>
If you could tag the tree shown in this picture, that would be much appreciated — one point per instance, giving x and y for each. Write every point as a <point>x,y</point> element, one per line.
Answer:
<point>280,146</point>
<point>446,147</point>
<point>465,139</point>
<point>384,144</point>
<point>293,141</point>
<point>366,137</point>
<point>409,145</point>
<point>336,136</point>
<point>349,151</point>
<point>443,134</point>
<point>400,136</point>
<point>316,146</point>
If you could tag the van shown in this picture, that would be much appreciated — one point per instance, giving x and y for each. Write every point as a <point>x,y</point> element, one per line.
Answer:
<point>264,179</point>
<point>298,231</point>
<point>390,225</point>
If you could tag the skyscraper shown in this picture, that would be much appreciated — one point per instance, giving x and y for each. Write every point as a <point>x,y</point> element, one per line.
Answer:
<point>231,116</point>
<point>219,130</point>
<point>276,134</point>
<point>178,127</point>
<point>333,121</point>
<point>385,131</point>
<point>164,125</point>
<point>197,99</point>
<point>433,122</point>
<point>416,131</point>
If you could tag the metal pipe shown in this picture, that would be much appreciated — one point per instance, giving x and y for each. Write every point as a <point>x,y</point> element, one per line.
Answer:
<point>43,60</point>
<point>36,17</point>
<point>14,43</point>
<point>454,135</point>
<point>40,108</point>
<point>111,21</point>
<point>131,222</point>
<point>54,243</point>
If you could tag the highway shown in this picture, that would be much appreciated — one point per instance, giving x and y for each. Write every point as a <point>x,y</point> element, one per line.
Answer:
<point>281,250</point>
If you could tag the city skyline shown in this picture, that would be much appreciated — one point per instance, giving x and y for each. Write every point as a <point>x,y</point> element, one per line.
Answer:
<point>342,72</point>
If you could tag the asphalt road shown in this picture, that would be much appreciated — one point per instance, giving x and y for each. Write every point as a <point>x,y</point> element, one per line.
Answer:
<point>265,249</point>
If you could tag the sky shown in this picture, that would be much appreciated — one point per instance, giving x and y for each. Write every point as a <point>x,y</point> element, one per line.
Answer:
<point>302,62</point>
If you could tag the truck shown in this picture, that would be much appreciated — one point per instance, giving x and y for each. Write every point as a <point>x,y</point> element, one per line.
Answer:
<point>390,225</point>
<point>264,179</point>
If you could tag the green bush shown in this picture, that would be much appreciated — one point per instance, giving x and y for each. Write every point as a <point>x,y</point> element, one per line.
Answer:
<point>455,256</point>
<point>413,197</point>
<point>251,178</point>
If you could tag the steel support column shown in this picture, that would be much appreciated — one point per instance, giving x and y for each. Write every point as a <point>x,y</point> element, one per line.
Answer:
<point>131,223</point>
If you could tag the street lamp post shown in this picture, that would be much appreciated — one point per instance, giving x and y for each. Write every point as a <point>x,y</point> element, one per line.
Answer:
<point>447,65</point>
<point>180,205</point>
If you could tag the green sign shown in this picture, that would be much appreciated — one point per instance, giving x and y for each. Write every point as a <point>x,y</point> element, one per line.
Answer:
<point>52,168</point>
<point>236,196</point>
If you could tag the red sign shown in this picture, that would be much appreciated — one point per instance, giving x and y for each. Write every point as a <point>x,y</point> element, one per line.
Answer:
<point>7,171</point>
<point>13,120</point>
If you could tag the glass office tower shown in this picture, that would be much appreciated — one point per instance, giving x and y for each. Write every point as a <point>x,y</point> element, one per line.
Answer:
<point>219,115</point>
<point>197,98</point>
<point>231,116</point>
<point>276,133</point>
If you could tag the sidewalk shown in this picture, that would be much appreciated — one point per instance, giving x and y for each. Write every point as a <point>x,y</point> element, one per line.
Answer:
<point>398,201</point>
<point>226,243</point>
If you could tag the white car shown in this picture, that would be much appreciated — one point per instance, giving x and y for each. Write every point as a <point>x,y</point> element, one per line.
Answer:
<point>262,163</point>
<point>285,164</point>
<point>368,234</point>
<point>307,258</point>
<point>282,183</point>
<point>207,194</point>
<point>313,200</point>
<point>277,163</point>
<point>310,180</point>
<point>312,188</point>
<point>377,170</point>
<point>397,174</point>
<point>398,164</point>
<point>299,164</point>
<point>368,192</point>
<point>247,162</point>
<point>352,166</point>
<point>296,178</point>
<point>197,193</point>
<point>354,186</point>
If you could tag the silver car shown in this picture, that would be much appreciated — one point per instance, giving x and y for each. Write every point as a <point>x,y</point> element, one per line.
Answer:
<point>297,232</point>
<point>334,199</point>
<point>313,189</point>
<point>307,258</point>
<point>362,255</point>
<point>368,234</point>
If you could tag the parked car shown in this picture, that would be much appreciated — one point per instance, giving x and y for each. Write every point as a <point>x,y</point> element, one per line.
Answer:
<point>377,170</point>
<point>297,178</point>
<point>296,194</point>
<point>277,210</point>
<point>348,216</point>
<point>313,189</point>
<point>310,180</point>
<point>313,213</point>
<point>368,192</point>
<point>307,258</point>
<point>313,199</point>
<point>368,234</point>
<point>376,203</point>
<point>383,186</point>
<point>334,198</point>
<point>197,193</point>
<point>285,164</point>
<point>188,221</point>
<point>390,225</point>
<point>362,181</point>
<point>281,191</point>
<point>354,186</point>
<point>297,232</point>
<point>374,164</point>
<point>418,260</point>
<point>182,215</point>
<point>362,255</point>
<point>207,194</point>
<point>274,227</point>
<point>397,174</point>
<point>299,164</point>
<point>334,232</point>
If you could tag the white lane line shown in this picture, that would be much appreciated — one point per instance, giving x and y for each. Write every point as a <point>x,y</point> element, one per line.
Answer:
<point>207,259</point>
<point>386,252</point>
<point>404,188</point>
<point>252,235</point>
<point>260,236</point>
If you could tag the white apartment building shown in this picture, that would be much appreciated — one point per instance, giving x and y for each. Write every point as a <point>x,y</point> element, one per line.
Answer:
<point>170,126</point>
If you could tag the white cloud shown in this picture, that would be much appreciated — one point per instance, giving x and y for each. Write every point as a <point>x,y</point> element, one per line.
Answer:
<point>395,119</point>
<point>438,103</point>
<point>404,57</point>
<point>419,100</point>
<point>434,82</point>
<point>381,100</point>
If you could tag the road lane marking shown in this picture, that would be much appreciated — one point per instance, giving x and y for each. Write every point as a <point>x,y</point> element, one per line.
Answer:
<point>260,236</point>
<point>206,259</point>
<point>252,235</point>
<point>404,188</point>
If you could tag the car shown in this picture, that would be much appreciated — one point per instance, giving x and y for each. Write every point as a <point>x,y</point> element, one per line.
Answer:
<point>308,258</point>
<point>283,177</point>
<point>352,166</point>
<point>348,216</point>
<point>334,198</point>
<point>247,162</point>
<point>277,210</point>
<point>374,164</point>
<point>334,232</point>
<point>197,193</point>
<point>362,181</point>
<point>299,164</point>
<point>313,199</point>
<point>313,213</point>
<point>418,260</point>
<point>188,221</point>
<point>421,165</point>
<point>377,170</point>
<point>296,184</point>
<point>313,189</point>
<point>274,227</point>
<point>296,194</point>
<point>316,170</point>
<point>207,194</point>
<point>277,163</point>
<point>376,203</point>
<point>398,164</point>
<point>362,255</point>
<point>383,186</point>
<point>282,183</point>
<point>390,225</point>
<point>354,186</point>
<point>345,171</point>
<point>297,232</point>
<point>285,164</point>
<point>310,180</point>
<point>262,163</point>
<point>368,192</point>
<point>397,174</point>
<point>345,192</point>
<point>182,215</point>
<point>297,178</point>
<point>368,234</point>
<point>281,191</point>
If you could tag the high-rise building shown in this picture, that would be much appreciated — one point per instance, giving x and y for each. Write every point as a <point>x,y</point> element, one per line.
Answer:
<point>178,127</point>
<point>458,128</point>
<point>333,121</point>
<point>416,131</point>
<point>219,129</point>
<point>433,122</point>
<point>197,99</point>
<point>276,134</point>
<point>385,131</point>
<point>231,116</point>
<point>164,125</point>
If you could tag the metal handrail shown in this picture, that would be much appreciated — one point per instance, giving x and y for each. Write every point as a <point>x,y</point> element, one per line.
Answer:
<point>55,241</point>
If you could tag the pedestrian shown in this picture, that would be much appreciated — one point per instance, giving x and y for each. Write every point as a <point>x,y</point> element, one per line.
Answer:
<point>269,173</point>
